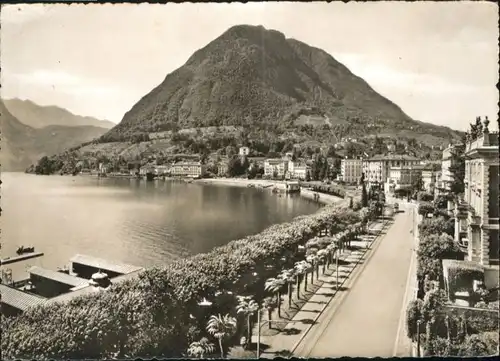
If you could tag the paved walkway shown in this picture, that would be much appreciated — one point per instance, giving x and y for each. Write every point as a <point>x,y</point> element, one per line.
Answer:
<point>297,328</point>
<point>366,321</point>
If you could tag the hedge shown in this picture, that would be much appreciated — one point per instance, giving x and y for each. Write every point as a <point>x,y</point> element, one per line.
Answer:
<point>461,276</point>
<point>151,316</point>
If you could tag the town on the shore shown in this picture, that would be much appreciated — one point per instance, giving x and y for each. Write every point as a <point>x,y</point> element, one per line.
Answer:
<point>429,228</point>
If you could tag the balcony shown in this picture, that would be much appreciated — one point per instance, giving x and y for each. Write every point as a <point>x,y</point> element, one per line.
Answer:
<point>493,221</point>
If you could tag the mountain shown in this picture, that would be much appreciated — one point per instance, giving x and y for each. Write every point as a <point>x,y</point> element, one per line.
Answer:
<point>250,76</point>
<point>252,86</point>
<point>21,145</point>
<point>38,116</point>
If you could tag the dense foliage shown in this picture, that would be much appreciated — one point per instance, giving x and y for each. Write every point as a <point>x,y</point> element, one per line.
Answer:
<point>462,275</point>
<point>431,251</point>
<point>151,316</point>
<point>445,330</point>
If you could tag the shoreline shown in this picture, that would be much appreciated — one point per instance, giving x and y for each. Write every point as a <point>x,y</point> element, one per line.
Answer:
<point>325,199</point>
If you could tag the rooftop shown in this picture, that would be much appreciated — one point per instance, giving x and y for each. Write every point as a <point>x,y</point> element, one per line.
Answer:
<point>58,276</point>
<point>104,264</point>
<point>19,299</point>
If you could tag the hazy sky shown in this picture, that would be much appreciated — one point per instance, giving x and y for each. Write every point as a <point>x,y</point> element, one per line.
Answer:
<point>437,61</point>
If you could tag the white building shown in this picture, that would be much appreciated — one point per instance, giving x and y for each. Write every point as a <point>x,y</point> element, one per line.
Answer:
<point>403,177</point>
<point>275,168</point>
<point>297,170</point>
<point>244,151</point>
<point>351,170</point>
<point>188,169</point>
<point>477,216</point>
<point>377,168</point>
<point>446,164</point>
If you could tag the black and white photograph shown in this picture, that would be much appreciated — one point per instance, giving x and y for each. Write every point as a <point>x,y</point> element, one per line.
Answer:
<point>251,180</point>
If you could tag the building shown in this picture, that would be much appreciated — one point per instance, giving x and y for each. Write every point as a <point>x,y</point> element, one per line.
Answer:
<point>351,170</point>
<point>244,151</point>
<point>222,168</point>
<point>188,169</point>
<point>429,178</point>
<point>391,147</point>
<point>292,187</point>
<point>477,215</point>
<point>377,168</point>
<point>275,168</point>
<point>402,177</point>
<point>447,163</point>
<point>162,170</point>
<point>300,171</point>
<point>45,286</point>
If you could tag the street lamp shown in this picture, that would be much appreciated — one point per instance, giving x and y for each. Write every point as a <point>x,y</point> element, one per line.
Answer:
<point>337,269</point>
<point>419,323</point>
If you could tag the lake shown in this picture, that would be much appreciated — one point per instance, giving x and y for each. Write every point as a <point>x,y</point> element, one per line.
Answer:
<point>129,220</point>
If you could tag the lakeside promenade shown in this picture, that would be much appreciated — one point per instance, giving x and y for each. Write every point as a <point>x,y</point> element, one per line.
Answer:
<point>269,184</point>
<point>369,320</point>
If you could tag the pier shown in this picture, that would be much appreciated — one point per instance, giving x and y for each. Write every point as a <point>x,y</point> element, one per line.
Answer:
<point>20,258</point>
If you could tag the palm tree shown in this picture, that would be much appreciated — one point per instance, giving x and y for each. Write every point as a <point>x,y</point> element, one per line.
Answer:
<point>289,277</point>
<point>200,348</point>
<point>274,285</point>
<point>301,269</point>
<point>221,327</point>
<point>268,303</point>
<point>323,255</point>
<point>248,307</point>
<point>313,260</point>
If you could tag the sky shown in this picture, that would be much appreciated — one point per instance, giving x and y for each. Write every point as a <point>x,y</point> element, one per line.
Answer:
<point>437,61</point>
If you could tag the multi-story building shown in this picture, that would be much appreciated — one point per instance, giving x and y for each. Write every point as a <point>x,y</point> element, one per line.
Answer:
<point>275,168</point>
<point>297,170</point>
<point>244,151</point>
<point>429,178</point>
<point>188,169</point>
<point>351,170</point>
<point>222,168</point>
<point>403,177</point>
<point>377,168</point>
<point>476,216</point>
<point>446,163</point>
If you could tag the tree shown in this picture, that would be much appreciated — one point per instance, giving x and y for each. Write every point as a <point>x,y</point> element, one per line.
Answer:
<point>364,196</point>
<point>268,303</point>
<point>289,277</point>
<point>274,285</point>
<point>221,327</point>
<point>200,348</point>
<point>457,169</point>
<point>351,203</point>
<point>248,307</point>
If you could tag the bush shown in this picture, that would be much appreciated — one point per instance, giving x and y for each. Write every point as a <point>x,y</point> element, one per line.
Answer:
<point>424,208</point>
<point>149,316</point>
<point>424,197</point>
<point>431,251</point>
<point>434,226</point>
<point>413,313</point>
<point>483,344</point>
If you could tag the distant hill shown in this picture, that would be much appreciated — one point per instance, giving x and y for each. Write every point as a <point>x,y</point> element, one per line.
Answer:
<point>39,116</point>
<point>21,145</point>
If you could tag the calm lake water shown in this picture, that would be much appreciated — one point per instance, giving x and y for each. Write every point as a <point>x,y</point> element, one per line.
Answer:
<point>131,221</point>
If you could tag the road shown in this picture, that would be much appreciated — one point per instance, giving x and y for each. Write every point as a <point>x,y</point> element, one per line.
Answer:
<point>369,321</point>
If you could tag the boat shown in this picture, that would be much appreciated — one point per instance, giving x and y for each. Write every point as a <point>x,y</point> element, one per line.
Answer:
<point>23,250</point>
